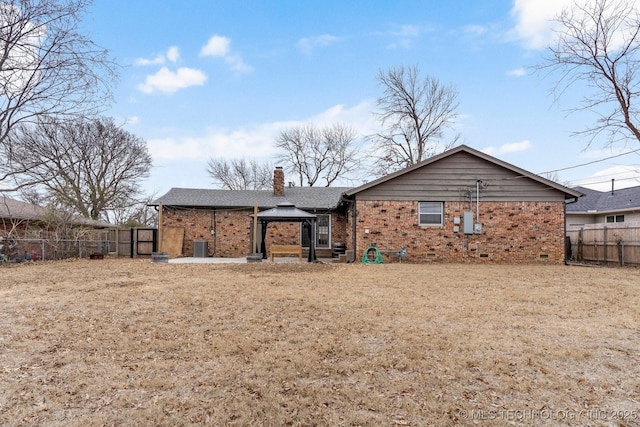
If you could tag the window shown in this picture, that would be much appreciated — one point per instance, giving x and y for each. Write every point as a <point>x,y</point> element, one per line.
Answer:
<point>430,213</point>
<point>323,232</point>
<point>615,218</point>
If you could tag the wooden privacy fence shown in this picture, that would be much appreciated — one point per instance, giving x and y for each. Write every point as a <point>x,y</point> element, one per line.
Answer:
<point>605,243</point>
<point>132,242</point>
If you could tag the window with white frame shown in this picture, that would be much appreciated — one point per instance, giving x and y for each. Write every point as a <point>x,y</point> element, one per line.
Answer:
<point>430,213</point>
<point>615,218</point>
<point>323,232</point>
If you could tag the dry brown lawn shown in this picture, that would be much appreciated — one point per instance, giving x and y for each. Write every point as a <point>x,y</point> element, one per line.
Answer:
<point>128,342</point>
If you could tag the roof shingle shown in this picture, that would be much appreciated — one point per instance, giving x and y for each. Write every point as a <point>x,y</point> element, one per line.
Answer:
<point>606,201</point>
<point>301,197</point>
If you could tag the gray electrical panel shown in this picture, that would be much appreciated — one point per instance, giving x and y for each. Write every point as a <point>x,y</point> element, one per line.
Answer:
<point>200,249</point>
<point>467,221</point>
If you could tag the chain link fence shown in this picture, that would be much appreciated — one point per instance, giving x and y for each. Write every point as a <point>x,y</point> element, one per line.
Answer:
<point>17,249</point>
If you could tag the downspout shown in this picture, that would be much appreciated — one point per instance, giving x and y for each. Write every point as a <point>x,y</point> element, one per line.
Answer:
<point>477,203</point>
<point>354,214</point>
<point>213,231</point>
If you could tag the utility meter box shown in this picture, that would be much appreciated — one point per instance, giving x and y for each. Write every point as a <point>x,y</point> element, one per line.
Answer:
<point>467,221</point>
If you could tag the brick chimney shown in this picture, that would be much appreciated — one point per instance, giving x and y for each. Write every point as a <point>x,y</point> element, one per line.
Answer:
<point>278,181</point>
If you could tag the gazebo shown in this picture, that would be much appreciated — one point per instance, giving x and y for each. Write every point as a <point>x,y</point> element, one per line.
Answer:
<point>287,212</point>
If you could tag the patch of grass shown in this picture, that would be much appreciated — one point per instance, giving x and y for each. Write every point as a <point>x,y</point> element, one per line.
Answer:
<point>128,342</point>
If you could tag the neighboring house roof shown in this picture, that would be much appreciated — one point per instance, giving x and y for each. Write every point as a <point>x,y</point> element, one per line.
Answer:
<point>301,197</point>
<point>11,208</point>
<point>568,192</point>
<point>16,209</point>
<point>593,201</point>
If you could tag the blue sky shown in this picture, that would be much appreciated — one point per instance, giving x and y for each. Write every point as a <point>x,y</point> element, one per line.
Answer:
<point>207,78</point>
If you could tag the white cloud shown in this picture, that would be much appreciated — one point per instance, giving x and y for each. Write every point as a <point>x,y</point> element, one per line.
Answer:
<point>220,47</point>
<point>534,25</point>
<point>534,20</point>
<point>168,81</point>
<point>307,44</point>
<point>172,55</point>
<point>217,46</point>
<point>236,63</point>
<point>517,72</point>
<point>404,36</point>
<point>624,175</point>
<point>406,30</point>
<point>514,147</point>
<point>142,62</point>
<point>259,139</point>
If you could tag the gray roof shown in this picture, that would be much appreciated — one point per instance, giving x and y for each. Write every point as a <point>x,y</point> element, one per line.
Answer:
<point>301,197</point>
<point>604,201</point>
<point>568,192</point>
<point>11,208</point>
<point>16,209</point>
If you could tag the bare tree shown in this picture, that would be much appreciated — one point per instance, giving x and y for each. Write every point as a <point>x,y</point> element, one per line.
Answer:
<point>47,66</point>
<point>90,166</point>
<point>315,154</point>
<point>598,43</point>
<point>240,174</point>
<point>416,114</point>
<point>139,214</point>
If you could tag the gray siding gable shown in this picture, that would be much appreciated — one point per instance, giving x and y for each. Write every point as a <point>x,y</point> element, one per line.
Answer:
<point>453,176</point>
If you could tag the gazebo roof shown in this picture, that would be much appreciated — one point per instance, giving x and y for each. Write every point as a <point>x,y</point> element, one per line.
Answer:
<point>285,211</point>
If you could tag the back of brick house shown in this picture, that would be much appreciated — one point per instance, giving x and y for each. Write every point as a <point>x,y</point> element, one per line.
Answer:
<point>463,206</point>
<point>460,206</point>
<point>222,218</point>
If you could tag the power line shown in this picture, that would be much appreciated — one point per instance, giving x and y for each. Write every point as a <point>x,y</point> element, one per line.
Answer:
<point>590,163</point>
<point>607,181</point>
<point>609,174</point>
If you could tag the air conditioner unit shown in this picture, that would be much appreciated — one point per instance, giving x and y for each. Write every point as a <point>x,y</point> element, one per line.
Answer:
<point>200,249</point>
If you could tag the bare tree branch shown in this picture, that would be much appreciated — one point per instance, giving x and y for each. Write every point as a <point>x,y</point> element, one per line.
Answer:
<point>90,166</point>
<point>598,43</point>
<point>240,174</point>
<point>319,154</point>
<point>47,67</point>
<point>416,114</point>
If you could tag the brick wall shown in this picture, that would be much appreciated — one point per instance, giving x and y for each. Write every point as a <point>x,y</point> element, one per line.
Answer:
<point>233,230</point>
<point>513,232</point>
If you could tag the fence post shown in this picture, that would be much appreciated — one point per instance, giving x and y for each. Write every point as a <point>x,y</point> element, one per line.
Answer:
<point>606,244</point>
<point>580,247</point>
